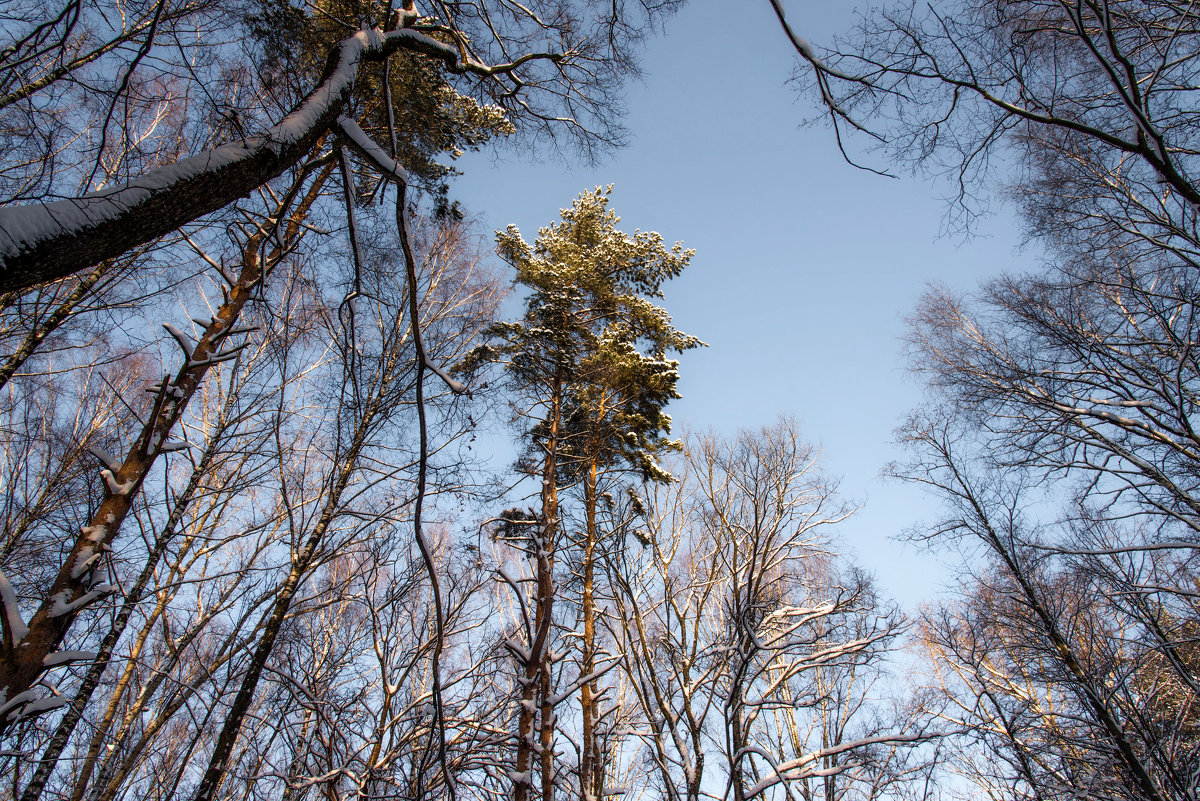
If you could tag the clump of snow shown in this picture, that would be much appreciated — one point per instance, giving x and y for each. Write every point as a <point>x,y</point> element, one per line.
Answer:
<point>114,486</point>
<point>64,657</point>
<point>60,606</point>
<point>106,458</point>
<point>12,615</point>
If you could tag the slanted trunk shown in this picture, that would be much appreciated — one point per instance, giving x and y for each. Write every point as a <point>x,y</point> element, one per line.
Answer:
<point>75,587</point>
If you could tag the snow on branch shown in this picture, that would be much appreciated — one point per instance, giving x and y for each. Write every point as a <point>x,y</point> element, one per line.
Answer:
<point>61,606</point>
<point>806,766</point>
<point>366,147</point>
<point>59,658</point>
<point>184,344</point>
<point>14,624</point>
<point>42,242</point>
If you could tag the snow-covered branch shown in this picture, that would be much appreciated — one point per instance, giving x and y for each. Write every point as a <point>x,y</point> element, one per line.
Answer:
<point>42,242</point>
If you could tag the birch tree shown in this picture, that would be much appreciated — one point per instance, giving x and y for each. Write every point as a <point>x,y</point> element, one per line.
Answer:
<point>745,639</point>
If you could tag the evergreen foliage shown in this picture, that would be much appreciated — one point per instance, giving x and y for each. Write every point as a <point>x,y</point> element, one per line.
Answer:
<point>590,319</point>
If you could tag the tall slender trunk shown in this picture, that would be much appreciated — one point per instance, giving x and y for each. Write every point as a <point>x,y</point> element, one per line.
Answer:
<point>536,689</point>
<point>591,771</point>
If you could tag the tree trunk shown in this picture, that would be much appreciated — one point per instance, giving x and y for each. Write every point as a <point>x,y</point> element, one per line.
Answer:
<point>591,773</point>
<point>42,242</point>
<point>537,685</point>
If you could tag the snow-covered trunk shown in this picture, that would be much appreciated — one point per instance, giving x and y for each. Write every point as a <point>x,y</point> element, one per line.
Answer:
<point>591,772</point>
<point>66,727</point>
<point>76,586</point>
<point>42,242</point>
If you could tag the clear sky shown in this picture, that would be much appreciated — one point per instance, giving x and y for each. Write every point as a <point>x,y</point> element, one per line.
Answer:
<point>805,267</point>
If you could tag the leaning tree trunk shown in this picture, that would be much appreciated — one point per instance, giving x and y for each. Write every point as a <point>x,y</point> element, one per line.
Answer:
<point>42,242</point>
<point>26,646</point>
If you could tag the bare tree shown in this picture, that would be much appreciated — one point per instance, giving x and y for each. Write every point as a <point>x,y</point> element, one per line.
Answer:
<point>1061,660</point>
<point>745,649</point>
<point>1092,97</point>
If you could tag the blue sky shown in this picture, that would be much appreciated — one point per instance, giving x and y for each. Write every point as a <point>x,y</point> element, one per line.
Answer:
<point>804,266</point>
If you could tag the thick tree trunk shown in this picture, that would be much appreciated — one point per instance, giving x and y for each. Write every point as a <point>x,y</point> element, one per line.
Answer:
<point>42,242</point>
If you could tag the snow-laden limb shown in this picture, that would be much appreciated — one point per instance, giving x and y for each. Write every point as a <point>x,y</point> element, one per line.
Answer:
<point>800,768</point>
<point>457,387</point>
<point>61,607</point>
<point>105,458</point>
<point>59,658</point>
<point>42,242</point>
<point>93,544</point>
<point>366,147</point>
<point>11,709</point>
<point>84,561</point>
<point>40,705</point>
<point>216,357</point>
<point>14,624</point>
<point>114,486</point>
<point>181,338</point>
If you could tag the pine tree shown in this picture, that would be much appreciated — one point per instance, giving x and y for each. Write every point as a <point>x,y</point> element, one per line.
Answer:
<point>589,353</point>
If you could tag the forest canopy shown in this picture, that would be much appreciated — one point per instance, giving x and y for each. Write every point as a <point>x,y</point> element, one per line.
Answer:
<point>252,343</point>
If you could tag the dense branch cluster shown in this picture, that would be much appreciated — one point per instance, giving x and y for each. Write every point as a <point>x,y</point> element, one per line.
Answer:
<point>249,348</point>
<point>1060,430</point>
